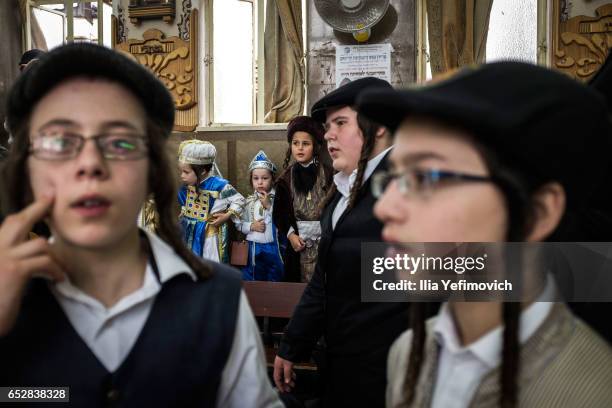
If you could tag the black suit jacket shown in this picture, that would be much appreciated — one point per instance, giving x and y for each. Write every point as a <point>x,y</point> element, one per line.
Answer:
<point>331,304</point>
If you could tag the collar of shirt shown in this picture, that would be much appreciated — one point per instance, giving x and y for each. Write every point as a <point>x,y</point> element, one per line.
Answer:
<point>307,164</point>
<point>345,182</point>
<point>487,349</point>
<point>168,266</point>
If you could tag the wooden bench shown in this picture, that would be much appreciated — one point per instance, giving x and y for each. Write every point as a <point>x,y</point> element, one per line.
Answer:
<point>274,299</point>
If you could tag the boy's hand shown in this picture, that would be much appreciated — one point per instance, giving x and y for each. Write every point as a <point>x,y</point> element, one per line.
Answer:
<point>297,243</point>
<point>217,219</point>
<point>20,259</point>
<point>258,226</point>
<point>284,376</point>
<point>264,197</point>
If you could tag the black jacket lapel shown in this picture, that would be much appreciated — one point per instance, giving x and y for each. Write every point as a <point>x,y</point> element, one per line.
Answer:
<point>326,226</point>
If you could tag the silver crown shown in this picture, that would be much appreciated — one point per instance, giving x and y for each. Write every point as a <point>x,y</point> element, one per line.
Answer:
<point>261,161</point>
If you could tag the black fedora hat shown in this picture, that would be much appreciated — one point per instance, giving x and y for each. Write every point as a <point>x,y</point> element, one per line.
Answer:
<point>346,95</point>
<point>30,55</point>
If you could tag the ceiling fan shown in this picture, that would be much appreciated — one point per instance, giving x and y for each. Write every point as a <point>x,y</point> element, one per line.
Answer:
<point>352,16</point>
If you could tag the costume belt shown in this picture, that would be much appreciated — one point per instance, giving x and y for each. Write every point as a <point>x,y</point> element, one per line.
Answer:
<point>310,232</point>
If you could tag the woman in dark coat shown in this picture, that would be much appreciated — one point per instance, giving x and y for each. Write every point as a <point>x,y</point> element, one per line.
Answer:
<point>300,190</point>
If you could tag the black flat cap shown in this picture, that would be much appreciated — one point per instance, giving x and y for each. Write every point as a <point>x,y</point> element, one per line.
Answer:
<point>88,60</point>
<point>538,121</point>
<point>30,55</point>
<point>346,95</point>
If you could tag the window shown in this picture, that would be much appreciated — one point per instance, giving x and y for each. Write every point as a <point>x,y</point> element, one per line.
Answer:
<point>51,23</point>
<point>231,53</point>
<point>513,31</point>
<point>233,57</point>
<point>517,30</point>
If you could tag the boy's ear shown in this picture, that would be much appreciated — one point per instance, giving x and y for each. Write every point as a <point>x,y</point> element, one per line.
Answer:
<point>549,204</point>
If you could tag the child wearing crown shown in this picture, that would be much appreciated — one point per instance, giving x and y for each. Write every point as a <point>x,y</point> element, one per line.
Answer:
<point>207,201</point>
<point>265,260</point>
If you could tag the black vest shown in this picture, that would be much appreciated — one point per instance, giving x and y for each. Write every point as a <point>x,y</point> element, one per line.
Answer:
<point>177,360</point>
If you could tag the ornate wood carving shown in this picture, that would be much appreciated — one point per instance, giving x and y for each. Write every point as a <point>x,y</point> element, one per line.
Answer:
<point>581,43</point>
<point>119,29</point>
<point>183,25</point>
<point>174,61</point>
<point>122,30</point>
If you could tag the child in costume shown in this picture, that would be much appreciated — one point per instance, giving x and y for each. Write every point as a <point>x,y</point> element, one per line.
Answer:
<point>265,251</point>
<point>300,189</point>
<point>207,202</point>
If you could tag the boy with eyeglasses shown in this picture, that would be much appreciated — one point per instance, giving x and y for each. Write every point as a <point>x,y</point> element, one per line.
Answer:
<point>505,152</point>
<point>124,317</point>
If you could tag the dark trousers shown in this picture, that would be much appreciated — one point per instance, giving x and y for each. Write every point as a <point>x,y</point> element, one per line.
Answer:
<point>356,380</point>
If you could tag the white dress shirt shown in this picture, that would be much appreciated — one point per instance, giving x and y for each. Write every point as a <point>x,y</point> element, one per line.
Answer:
<point>344,184</point>
<point>111,332</point>
<point>462,368</point>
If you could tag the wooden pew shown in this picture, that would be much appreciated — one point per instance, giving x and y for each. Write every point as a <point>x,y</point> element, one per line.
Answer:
<point>274,299</point>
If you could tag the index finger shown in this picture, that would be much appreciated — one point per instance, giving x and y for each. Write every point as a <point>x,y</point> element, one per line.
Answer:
<point>277,375</point>
<point>287,375</point>
<point>16,226</point>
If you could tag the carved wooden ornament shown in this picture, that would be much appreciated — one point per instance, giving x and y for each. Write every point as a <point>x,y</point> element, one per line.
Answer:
<point>174,62</point>
<point>581,44</point>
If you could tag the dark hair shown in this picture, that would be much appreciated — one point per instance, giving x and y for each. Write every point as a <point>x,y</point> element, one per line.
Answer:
<point>369,129</point>
<point>200,170</point>
<point>316,150</point>
<point>17,193</point>
<point>518,190</point>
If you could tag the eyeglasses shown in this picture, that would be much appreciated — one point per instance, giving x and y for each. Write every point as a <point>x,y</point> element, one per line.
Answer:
<point>67,145</point>
<point>420,181</point>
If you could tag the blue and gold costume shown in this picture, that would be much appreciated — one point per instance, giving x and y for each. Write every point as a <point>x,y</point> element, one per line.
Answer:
<point>266,250</point>
<point>213,195</point>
